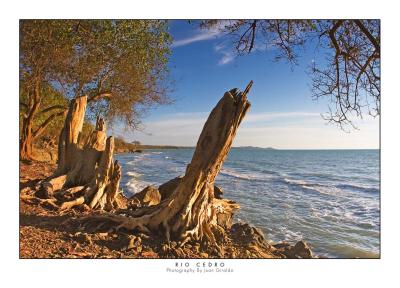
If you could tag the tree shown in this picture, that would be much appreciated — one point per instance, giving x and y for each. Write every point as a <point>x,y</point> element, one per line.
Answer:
<point>86,173</point>
<point>351,75</point>
<point>190,211</point>
<point>45,124</point>
<point>121,65</point>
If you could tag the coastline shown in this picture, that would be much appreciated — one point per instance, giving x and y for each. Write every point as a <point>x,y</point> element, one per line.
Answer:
<point>289,195</point>
<point>46,233</point>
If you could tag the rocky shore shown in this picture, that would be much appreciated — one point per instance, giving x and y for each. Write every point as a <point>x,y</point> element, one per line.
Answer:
<point>48,233</point>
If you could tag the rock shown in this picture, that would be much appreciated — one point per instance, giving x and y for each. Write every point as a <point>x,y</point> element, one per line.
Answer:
<point>168,188</point>
<point>133,203</point>
<point>224,220</point>
<point>299,250</point>
<point>148,196</point>
<point>281,245</point>
<point>251,239</point>
<point>218,192</point>
<point>302,250</point>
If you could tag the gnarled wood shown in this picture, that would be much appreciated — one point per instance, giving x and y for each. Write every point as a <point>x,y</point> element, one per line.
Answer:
<point>86,173</point>
<point>191,211</point>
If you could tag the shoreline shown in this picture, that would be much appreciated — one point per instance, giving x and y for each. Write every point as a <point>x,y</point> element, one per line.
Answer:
<point>46,233</point>
<point>246,185</point>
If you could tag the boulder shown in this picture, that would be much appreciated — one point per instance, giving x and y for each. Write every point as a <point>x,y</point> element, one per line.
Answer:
<point>168,188</point>
<point>225,215</point>
<point>299,250</point>
<point>149,196</point>
<point>302,250</point>
<point>218,192</point>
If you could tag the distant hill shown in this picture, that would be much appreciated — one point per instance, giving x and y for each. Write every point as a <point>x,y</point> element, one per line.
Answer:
<point>255,147</point>
<point>123,147</point>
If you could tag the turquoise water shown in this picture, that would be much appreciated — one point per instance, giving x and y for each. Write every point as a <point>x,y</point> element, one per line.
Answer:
<point>329,198</point>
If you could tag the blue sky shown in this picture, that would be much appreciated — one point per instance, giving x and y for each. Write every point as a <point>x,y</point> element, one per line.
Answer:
<point>283,114</point>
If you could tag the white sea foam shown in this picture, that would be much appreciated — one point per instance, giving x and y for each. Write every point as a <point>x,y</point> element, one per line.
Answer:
<point>324,203</point>
<point>135,186</point>
<point>133,174</point>
<point>289,235</point>
<point>358,187</point>
<point>244,176</point>
<point>320,188</point>
<point>295,182</point>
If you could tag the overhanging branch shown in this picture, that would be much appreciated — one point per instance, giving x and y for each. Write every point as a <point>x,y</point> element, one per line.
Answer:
<point>46,123</point>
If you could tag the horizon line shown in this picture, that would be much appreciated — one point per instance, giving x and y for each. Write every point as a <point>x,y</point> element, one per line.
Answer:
<point>258,147</point>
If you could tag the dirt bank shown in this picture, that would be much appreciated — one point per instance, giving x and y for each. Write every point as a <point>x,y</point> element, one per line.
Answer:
<point>47,233</point>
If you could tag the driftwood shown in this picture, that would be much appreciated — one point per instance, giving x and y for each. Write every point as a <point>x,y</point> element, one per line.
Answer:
<point>86,174</point>
<point>191,211</point>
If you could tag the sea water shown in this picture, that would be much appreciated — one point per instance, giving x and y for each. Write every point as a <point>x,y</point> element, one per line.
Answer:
<point>329,198</point>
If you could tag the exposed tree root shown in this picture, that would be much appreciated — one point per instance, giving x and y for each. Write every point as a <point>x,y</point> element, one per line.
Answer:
<point>191,211</point>
<point>86,174</point>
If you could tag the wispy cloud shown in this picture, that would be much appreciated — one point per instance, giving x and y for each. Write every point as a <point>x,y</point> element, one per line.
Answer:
<point>227,57</point>
<point>200,35</point>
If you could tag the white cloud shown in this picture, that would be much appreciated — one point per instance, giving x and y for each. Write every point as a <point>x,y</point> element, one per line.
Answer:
<point>200,35</point>
<point>227,57</point>
<point>219,47</point>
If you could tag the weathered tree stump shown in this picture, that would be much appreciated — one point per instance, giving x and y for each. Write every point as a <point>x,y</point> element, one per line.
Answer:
<point>86,173</point>
<point>191,211</point>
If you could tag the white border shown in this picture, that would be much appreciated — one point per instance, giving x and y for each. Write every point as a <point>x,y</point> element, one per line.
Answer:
<point>143,273</point>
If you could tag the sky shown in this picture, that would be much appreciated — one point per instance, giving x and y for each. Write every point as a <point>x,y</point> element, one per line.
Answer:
<point>283,114</point>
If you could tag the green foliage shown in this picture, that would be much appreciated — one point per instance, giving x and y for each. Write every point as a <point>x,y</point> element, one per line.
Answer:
<point>120,64</point>
<point>50,98</point>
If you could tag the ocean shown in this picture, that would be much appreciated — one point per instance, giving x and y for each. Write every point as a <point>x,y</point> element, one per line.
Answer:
<point>328,198</point>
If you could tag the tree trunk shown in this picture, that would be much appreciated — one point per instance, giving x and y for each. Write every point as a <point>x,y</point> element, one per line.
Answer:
<point>26,141</point>
<point>86,173</point>
<point>191,211</point>
<point>25,152</point>
<point>27,133</point>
